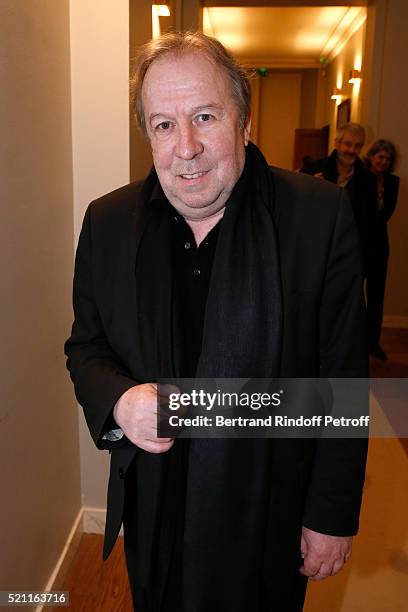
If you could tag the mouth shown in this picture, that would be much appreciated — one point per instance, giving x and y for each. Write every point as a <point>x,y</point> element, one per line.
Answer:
<point>193,176</point>
<point>349,157</point>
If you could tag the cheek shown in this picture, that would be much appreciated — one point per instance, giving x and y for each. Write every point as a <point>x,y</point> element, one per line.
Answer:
<point>229,150</point>
<point>161,155</point>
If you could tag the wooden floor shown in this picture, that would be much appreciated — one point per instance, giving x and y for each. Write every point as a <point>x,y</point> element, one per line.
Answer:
<point>395,344</point>
<point>97,586</point>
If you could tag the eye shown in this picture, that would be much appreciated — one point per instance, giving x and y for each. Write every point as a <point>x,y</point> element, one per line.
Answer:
<point>163,126</point>
<point>205,117</point>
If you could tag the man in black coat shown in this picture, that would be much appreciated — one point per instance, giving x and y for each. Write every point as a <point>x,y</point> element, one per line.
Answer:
<point>216,266</point>
<point>345,168</point>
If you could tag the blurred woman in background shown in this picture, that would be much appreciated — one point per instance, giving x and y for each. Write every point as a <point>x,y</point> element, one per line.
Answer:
<point>381,160</point>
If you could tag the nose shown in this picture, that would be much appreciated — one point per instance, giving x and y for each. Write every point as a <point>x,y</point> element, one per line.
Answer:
<point>188,144</point>
<point>355,149</point>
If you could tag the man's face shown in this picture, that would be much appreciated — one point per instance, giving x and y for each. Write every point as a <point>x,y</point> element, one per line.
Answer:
<point>193,125</point>
<point>349,147</point>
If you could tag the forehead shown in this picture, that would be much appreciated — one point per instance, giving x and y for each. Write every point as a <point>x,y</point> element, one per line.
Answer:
<point>177,77</point>
<point>353,137</point>
<point>383,152</point>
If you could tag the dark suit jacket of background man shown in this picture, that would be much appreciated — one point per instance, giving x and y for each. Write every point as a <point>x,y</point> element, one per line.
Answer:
<point>316,482</point>
<point>362,191</point>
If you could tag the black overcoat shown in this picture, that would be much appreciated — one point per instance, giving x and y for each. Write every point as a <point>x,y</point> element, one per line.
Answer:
<point>362,192</point>
<point>315,483</point>
<point>381,241</point>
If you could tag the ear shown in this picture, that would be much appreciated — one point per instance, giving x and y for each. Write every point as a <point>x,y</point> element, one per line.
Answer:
<point>247,129</point>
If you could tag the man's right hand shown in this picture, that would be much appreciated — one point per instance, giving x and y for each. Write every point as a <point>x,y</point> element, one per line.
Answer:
<point>136,414</point>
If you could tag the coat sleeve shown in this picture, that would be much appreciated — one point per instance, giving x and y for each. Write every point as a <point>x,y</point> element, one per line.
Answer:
<point>335,488</point>
<point>98,375</point>
<point>390,196</point>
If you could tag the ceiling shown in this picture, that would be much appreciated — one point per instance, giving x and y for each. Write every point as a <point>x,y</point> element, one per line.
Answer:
<point>283,36</point>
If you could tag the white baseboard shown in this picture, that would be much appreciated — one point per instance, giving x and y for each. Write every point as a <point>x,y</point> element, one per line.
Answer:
<point>65,558</point>
<point>394,321</point>
<point>88,520</point>
<point>94,520</point>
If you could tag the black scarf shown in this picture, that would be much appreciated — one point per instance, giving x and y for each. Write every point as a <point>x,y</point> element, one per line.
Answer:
<point>226,487</point>
<point>242,328</point>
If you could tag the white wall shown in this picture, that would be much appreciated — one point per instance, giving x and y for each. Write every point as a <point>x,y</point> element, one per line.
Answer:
<point>100,99</point>
<point>100,137</point>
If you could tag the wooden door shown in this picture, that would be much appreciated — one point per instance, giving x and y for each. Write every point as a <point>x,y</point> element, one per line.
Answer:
<point>311,142</point>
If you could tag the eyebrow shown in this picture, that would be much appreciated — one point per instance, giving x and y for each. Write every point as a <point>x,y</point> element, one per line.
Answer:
<point>194,110</point>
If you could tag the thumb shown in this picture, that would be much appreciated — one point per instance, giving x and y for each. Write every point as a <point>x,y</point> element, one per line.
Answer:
<point>303,546</point>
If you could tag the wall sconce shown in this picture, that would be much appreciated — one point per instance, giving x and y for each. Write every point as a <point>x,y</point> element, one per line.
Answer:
<point>162,10</point>
<point>336,94</point>
<point>354,76</point>
<point>158,10</point>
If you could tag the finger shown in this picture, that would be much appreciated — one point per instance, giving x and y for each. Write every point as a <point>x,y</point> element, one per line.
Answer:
<point>337,566</point>
<point>324,572</point>
<point>158,440</point>
<point>152,433</point>
<point>310,568</point>
<point>154,447</point>
<point>149,432</point>
<point>164,390</point>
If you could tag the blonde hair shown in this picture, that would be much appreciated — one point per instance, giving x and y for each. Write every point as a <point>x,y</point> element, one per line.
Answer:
<point>180,43</point>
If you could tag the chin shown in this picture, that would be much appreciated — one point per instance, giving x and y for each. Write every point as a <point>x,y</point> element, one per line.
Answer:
<point>199,200</point>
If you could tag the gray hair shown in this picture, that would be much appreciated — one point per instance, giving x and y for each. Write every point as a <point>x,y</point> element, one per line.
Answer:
<point>353,128</point>
<point>180,43</point>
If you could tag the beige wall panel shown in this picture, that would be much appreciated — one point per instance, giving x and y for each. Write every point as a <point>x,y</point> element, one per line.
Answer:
<point>393,124</point>
<point>140,31</point>
<point>279,117</point>
<point>40,481</point>
<point>255,82</point>
<point>308,99</point>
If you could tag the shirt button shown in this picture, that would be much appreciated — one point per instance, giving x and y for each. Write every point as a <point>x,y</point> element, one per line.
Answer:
<point>187,245</point>
<point>197,272</point>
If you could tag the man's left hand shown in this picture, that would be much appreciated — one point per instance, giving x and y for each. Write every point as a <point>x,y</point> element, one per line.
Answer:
<point>323,555</point>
